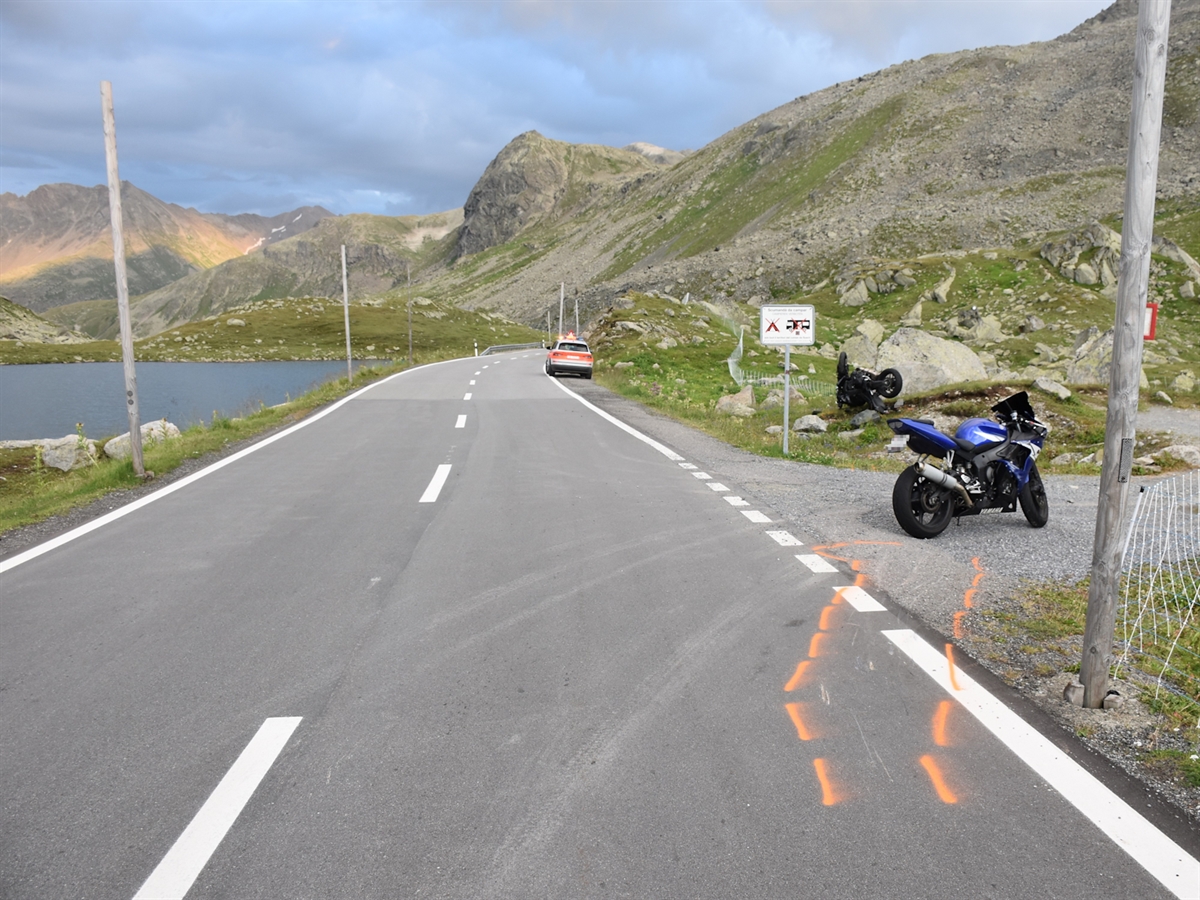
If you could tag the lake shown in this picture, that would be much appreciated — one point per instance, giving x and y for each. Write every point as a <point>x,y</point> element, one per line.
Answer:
<point>45,401</point>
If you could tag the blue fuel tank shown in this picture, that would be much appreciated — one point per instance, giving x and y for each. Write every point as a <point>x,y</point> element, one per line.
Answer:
<point>981,431</point>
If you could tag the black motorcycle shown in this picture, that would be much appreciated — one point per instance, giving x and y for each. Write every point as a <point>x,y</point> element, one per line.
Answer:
<point>863,388</point>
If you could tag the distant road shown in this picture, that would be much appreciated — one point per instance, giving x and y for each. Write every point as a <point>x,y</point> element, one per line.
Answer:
<point>465,637</point>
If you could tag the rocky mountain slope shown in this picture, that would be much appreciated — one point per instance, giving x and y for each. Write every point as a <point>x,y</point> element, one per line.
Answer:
<point>56,242</point>
<point>20,324</point>
<point>955,151</point>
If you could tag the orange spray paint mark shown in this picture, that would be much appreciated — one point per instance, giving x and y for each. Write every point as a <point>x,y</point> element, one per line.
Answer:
<point>939,723</point>
<point>939,783</point>
<point>796,711</point>
<point>797,678</point>
<point>958,617</point>
<point>826,620</point>
<point>830,795</point>
<point>967,598</point>
<point>814,646</point>
<point>950,663</point>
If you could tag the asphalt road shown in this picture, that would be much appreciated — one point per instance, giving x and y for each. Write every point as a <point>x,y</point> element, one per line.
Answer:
<point>577,672</point>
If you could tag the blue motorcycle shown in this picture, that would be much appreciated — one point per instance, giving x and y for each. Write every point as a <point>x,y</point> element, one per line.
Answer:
<point>986,466</point>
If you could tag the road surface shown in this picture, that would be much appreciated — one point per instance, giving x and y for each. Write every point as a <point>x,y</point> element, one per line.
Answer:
<point>463,636</point>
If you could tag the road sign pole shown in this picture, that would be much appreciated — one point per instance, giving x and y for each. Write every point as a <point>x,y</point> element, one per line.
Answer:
<point>1137,229</point>
<point>346,310</point>
<point>118,238</point>
<point>787,392</point>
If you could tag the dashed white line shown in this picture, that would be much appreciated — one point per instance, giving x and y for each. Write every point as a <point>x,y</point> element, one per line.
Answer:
<point>461,423</point>
<point>1174,868</point>
<point>183,863</point>
<point>435,485</point>
<point>816,563</point>
<point>717,486</point>
<point>703,476</point>
<point>472,381</point>
<point>467,395</point>
<point>784,539</point>
<point>687,466</point>
<point>735,501</point>
<point>859,599</point>
<point>755,516</point>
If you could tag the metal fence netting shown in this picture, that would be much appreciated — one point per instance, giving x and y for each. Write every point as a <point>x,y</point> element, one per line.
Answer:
<point>1158,619</point>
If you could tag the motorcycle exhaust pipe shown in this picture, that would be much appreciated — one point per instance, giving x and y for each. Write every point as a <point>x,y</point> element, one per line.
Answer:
<point>946,480</point>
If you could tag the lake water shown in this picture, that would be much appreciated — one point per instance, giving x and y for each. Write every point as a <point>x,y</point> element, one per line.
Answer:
<point>46,401</point>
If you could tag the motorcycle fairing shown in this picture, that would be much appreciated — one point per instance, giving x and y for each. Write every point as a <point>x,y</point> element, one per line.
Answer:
<point>924,438</point>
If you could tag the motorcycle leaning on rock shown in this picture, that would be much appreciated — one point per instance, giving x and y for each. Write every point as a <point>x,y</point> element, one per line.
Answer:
<point>986,466</point>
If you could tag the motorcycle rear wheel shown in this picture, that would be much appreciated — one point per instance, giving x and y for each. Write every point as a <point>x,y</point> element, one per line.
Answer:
<point>1033,500</point>
<point>891,382</point>
<point>922,508</point>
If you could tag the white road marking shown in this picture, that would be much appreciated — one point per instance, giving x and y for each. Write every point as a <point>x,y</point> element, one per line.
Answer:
<point>736,501</point>
<point>461,423</point>
<point>34,552</point>
<point>628,429</point>
<point>701,475</point>
<point>717,486</point>
<point>755,516</point>
<point>1174,868</point>
<point>476,373</point>
<point>816,563</point>
<point>174,876</point>
<point>688,466</point>
<point>467,395</point>
<point>472,381</point>
<point>784,539</point>
<point>435,485</point>
<point>858,598</point>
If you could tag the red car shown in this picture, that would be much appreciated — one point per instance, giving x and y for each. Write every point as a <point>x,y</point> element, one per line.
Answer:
<point>569,354</point>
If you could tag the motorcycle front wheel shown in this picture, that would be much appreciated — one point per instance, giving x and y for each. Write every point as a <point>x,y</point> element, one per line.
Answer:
<point>891,383</point>
<point>1033,500</point>
<point>922,508</point>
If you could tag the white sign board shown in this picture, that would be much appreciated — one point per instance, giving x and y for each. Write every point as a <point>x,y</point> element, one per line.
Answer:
<point>782,325</point>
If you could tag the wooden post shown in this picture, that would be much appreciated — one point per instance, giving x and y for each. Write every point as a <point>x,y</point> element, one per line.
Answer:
<point>118,237</point>
<point>1141,178</point>
<point>408,282</point>
<point>561,296</point>
<point>577,315</point>
<point>346,311</point>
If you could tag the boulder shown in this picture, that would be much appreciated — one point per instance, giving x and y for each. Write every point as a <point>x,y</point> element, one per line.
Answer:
<point>926,362</point>
<point>236,323</point>
<point>1048,386</point>
<point>1186,452</point>
<point>1187,290</point>
<point>941,293</point>
<point>775,398</point>
<point>152,432</point>
<point>912,318</point>
<point>67,453</point>
<point>1092,363</point>
<point>1032,324</point>
<point>1085,273</point>
<point>866,417</point>
<point>810,425</point>
<point>739,404</point>
<point>856,296</point>
<point>1184,383</point>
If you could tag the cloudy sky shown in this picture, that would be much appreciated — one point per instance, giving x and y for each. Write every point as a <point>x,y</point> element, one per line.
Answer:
<point>397,107</point>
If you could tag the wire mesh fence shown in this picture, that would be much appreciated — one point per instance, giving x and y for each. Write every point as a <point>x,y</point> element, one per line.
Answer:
<point>807,386</point>
<point>1158,620</point>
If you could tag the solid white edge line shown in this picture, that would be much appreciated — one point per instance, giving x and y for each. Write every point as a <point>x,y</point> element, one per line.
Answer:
<point>436,483</point>
<point>858,598</point>
<point>461,422</point>
<point>34,552</point>
<point>179,869</point>
<point>1169,863</point>
<point>629,429</point>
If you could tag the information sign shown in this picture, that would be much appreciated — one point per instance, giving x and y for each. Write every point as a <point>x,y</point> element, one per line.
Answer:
<point>783,325</point>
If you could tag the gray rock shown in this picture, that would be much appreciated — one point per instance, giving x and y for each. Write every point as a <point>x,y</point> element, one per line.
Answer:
<point>152,432</point>
<point>926,362</point>
<point>856,296</point>
<point>866,417</point>
<point>1163,397</point>
<point>912,318</point>
<point>774,429</point>
<point>1051,387</point>
<point>871,285</point>
<point>904,280</point>
<point>667,343</point>
<point>1092,363</point>
<point>1187,453</point>
<point>67,453</point>
<point>1187,290</point>
<point>1032,324</point>
<point>236,323</point>
<point>774,398</point>
<point>849,435</point>
<point>810,425</point>
<point>941,293</point>
<point>1086,274</point>
<point>1184,383</point>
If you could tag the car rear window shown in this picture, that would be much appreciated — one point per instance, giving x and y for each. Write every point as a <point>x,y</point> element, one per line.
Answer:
<point>578,348</point>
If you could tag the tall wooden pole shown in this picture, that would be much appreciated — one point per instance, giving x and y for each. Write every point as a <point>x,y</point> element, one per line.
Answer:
<point>576,315</point>
<point>1141,179</point>
<point>118,237</point>
<point>346,311</point>
<point>561,297</point>
<point>408,288</point>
